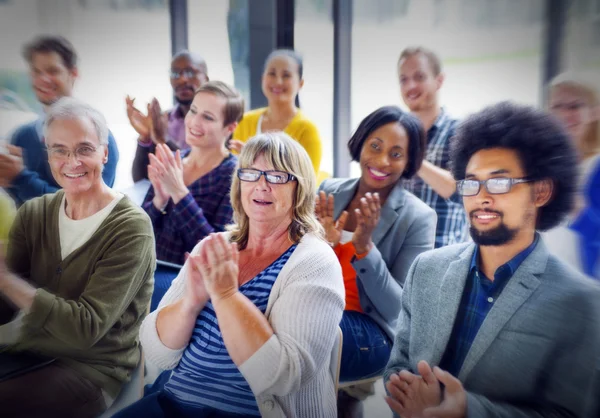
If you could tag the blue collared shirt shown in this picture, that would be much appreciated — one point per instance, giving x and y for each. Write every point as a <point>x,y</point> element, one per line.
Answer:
<point>479,295</point>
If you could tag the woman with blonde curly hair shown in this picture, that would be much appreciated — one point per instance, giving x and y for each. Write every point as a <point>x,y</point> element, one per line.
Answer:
<point>249,324</point>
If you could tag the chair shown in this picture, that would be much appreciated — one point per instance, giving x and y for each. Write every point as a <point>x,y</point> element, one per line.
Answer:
<point>163,277</point>
<point>131,391</point>
<point>336,360</point>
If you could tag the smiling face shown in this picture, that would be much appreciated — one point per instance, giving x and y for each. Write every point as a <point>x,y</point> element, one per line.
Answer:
<point>50,77</point>
<point>204,122</point>
<point>497,219</point>
<point>190,76</point>
<point>267,204</point>
<point>81,173</point>
<point>572,108</point>
<point>281,79</point>
<point>384,156</point>
<point>418,83</point>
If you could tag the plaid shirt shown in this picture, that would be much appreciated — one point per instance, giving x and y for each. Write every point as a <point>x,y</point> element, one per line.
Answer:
<point>479,295</point>
<point>452,221</point>
<point>204,210</point>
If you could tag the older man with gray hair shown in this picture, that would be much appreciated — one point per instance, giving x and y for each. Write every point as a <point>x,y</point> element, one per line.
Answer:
<point>76,282</point>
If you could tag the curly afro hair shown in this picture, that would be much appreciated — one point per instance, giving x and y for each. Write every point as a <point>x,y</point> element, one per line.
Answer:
<point>543,147</point>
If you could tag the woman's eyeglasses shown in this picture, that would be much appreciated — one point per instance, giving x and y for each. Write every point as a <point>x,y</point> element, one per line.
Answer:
<point>272,176</point>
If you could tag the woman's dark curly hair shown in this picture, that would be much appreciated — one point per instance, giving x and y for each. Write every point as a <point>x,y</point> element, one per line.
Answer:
<point>417,140</point>
<point>543,147</point>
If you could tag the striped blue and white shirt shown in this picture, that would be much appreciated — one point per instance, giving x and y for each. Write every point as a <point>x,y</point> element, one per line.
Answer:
<point>452,221</point>
<point>206,376</point>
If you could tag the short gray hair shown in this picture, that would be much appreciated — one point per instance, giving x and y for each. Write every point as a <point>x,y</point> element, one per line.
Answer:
<point>70,108</point>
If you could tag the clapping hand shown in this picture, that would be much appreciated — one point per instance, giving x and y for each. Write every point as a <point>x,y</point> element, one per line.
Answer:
<point>167,170</point>
<point>410,395</point>
<point>196,295</point>
<point>367,218</point>
<point>324,212</point>
<point>235,145</point>
<point>217,263</point>
<point>158,124</point>
<point>11,165</point>
<point>139,121</point>
<point>454,404</point>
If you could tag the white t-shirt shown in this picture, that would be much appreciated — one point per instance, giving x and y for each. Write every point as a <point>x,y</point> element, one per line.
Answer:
<point>74,233</point>
<point>346,236</point>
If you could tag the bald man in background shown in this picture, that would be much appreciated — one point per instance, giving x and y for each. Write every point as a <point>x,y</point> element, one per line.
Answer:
<point>188,72</point>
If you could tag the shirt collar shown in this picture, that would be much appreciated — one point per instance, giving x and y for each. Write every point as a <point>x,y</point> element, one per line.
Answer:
<point>176,113</point>
<point>507,270</point>
<point>441,118</point>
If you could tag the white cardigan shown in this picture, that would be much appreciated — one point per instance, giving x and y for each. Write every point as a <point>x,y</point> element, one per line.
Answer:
<point>289,374</point>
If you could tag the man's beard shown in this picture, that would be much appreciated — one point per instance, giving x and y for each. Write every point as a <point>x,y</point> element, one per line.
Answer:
<point>493,237</point>
<point>183,102</point>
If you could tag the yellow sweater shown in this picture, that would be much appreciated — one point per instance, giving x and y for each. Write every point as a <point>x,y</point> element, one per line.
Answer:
<point>7,215</point>
<point>300,128</point>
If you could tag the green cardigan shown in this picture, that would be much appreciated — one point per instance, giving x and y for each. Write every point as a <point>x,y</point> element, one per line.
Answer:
<point>88,307</point>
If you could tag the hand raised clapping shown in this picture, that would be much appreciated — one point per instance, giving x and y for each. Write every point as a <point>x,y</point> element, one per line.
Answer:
<point>139,121</point>
<point>367,218</point>
<point>217,263</point>
<point>324,212</point>
<point>165,172</point>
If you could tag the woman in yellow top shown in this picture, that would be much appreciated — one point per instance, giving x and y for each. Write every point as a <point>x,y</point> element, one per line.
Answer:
<point>281,81</point>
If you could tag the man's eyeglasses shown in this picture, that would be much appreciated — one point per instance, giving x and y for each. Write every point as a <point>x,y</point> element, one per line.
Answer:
<point>500,185</point>
<point>62,153</point>
<point>272,176</point>
<point>184,73</point>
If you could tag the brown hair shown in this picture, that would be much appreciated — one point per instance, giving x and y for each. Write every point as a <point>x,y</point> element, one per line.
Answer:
<point>284,154</point>
<point>434,60</point>
<point>234,102</point>
<point>45,44</point>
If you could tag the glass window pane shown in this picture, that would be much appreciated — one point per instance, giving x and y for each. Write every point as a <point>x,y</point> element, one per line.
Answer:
<point>219,32</point>
<point>118,56</point>
<point>491,51</point>
<point>313,38</point>
<point>582,46</point>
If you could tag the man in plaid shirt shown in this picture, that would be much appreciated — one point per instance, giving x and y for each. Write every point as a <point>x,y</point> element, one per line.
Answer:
<point>421,78</point>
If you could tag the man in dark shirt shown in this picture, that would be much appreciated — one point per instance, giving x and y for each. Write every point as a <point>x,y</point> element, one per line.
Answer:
<point>188,73</point>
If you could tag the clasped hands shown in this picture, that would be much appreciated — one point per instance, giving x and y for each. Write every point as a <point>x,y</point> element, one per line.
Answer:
<point>150,127</point>
<point>367,218</point>
<point>165,172</point>
<point>420,396</point>
<point>213,271</point>
<point>11,164</point>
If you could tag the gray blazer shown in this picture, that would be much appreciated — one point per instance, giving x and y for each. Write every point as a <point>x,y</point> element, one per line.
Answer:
<point>536,352</point>
<point>406,229</point>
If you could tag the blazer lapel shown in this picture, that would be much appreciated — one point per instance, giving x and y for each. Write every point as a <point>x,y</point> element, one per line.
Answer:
<point>343,195</point>
<point>449,297</point>
<point>389,212</point>
<point>519,288</point>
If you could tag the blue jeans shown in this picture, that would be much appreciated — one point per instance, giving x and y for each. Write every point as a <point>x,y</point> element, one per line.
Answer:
<point>366,348</point>
<point>162,405</point>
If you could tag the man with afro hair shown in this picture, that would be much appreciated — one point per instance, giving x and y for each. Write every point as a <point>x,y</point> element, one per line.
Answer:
<point>499,327</point>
